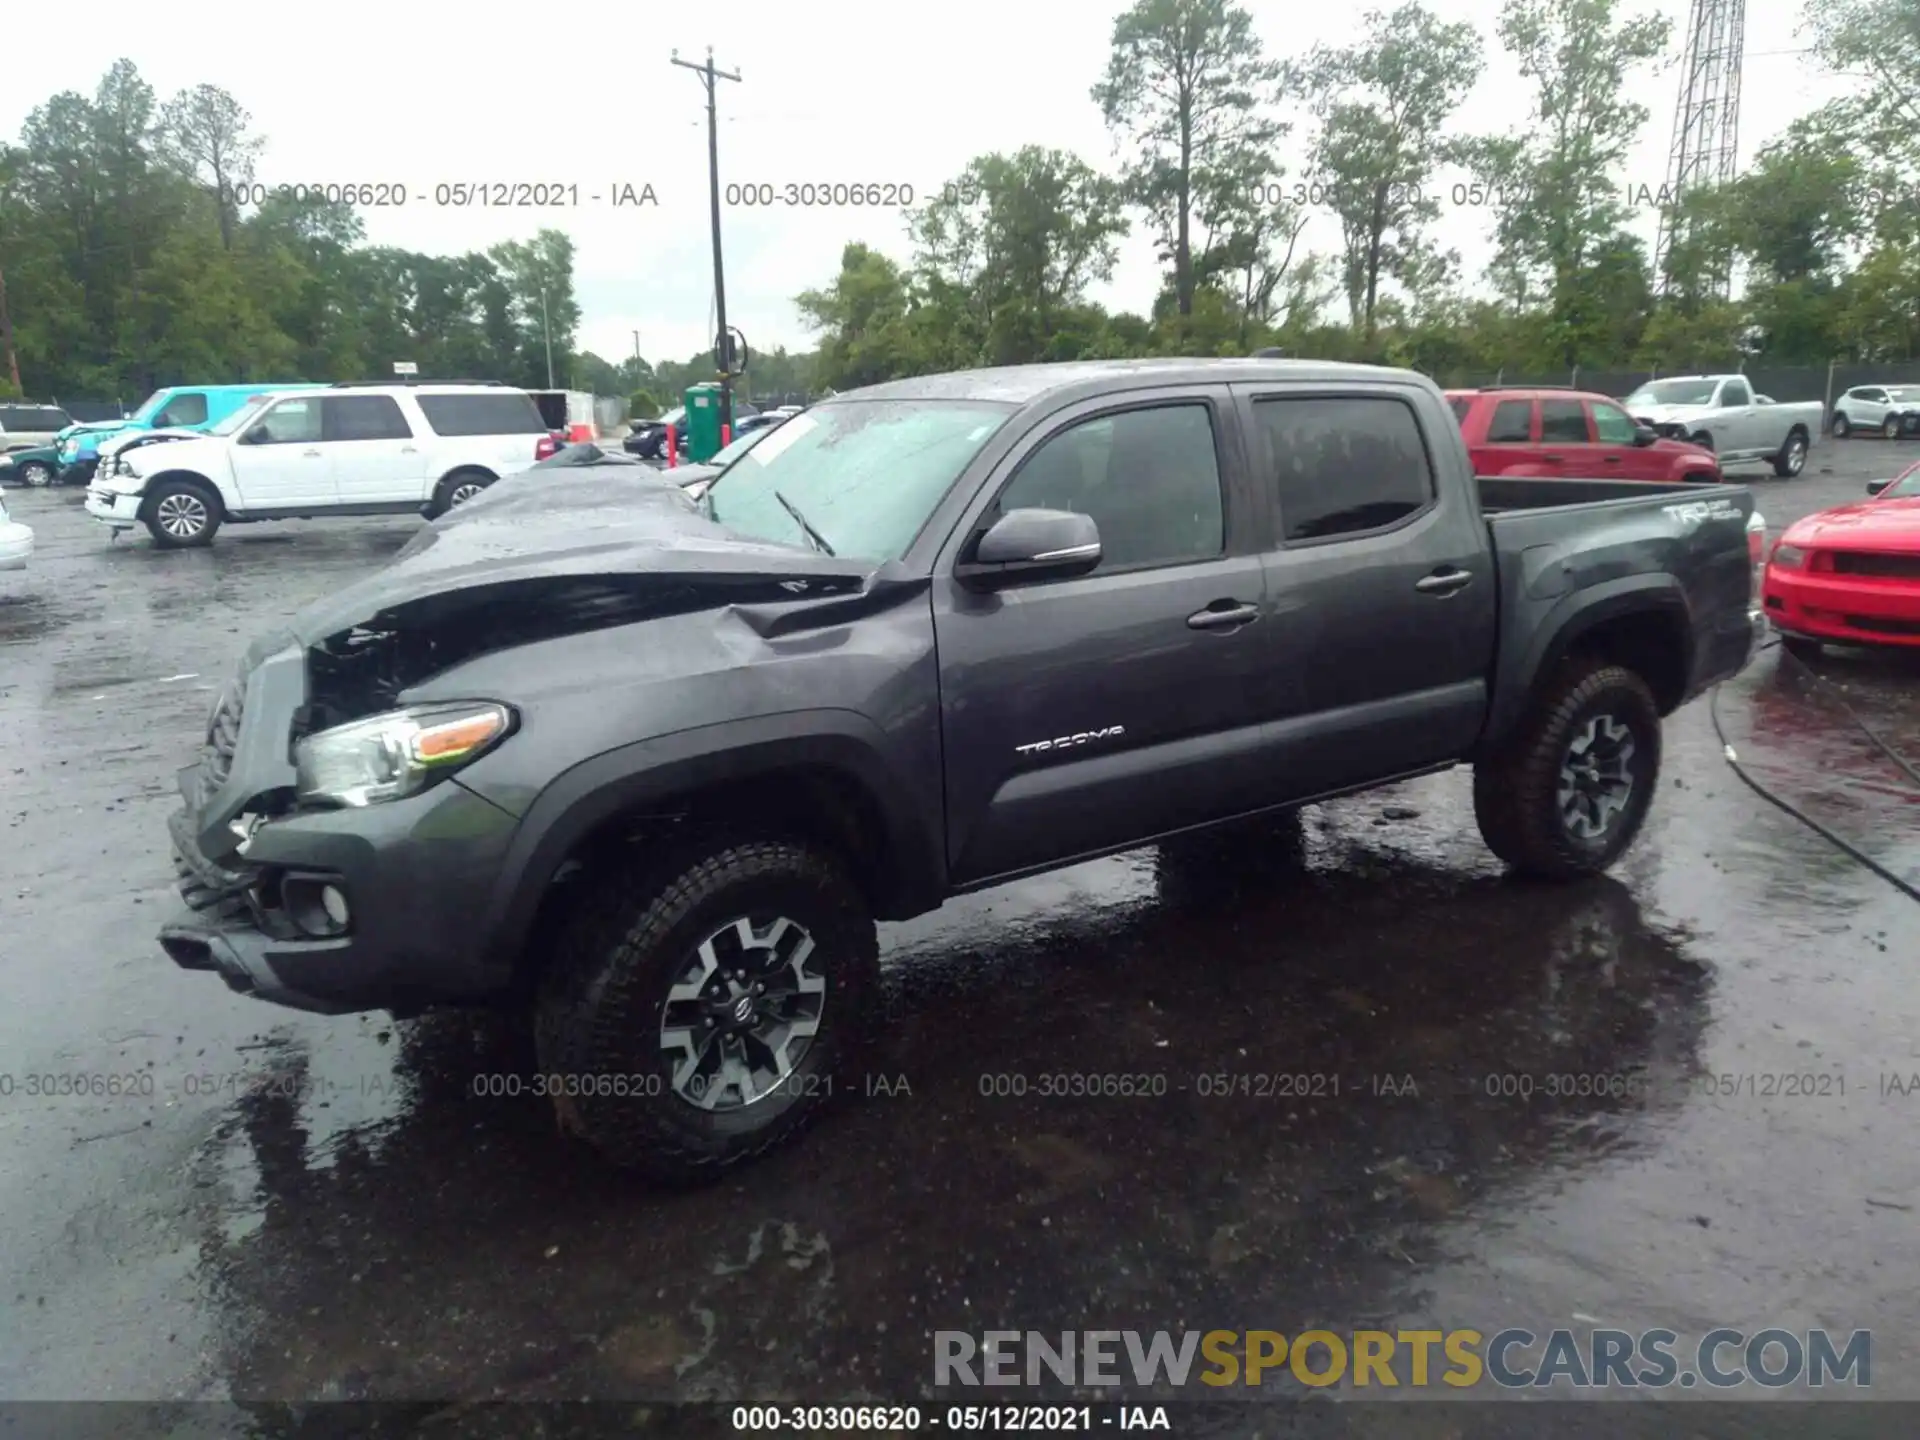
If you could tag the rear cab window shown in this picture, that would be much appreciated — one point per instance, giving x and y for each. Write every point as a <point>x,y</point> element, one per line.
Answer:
<point>1344,465</point>
<point>508,412</point>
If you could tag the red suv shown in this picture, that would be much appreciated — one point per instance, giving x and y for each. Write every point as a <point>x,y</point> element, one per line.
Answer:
<point>1526,431</point>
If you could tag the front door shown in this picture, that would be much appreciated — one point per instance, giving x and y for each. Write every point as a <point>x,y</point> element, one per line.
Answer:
<point>1384,596</point>
<point>1619,456</point>
<point>1084,714</point>
<point>280,460</point>
<point>376,458</point>
<point>1566,444</point>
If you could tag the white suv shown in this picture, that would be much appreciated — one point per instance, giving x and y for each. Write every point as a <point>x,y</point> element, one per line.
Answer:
<point>349,450</point>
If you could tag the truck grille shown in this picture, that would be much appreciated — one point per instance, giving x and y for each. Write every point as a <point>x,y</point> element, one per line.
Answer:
<point>1888,567</point>
<point>223,738</point>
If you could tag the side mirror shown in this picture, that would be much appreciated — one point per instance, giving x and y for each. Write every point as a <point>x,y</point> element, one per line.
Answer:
<point>1874,487</point>
<point>1033,545</point>
<point>1644,435</point>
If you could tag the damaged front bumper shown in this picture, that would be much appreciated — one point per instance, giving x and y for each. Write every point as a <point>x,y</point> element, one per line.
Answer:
<point>410,880</point>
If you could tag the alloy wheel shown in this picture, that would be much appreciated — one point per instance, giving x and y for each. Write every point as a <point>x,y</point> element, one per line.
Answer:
<point>743,1012</point>
<point>183,515</point>
<point>1596,778</point>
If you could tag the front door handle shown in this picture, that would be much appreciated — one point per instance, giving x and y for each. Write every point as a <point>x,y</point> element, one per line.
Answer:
<point>409,449</point>
<point>313,454</point>
<point>1444,582</point>
<point>1613,459</point>
<point>1553,459</point>
<point>1229,614</point>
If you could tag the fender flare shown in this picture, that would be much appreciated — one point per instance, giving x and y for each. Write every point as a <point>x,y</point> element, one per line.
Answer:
<point>1574,616</point>
<point>662,769</point>
<point>147,485</point>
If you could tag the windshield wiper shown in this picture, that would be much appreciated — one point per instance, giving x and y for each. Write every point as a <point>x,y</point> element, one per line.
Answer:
<point>814,537</point>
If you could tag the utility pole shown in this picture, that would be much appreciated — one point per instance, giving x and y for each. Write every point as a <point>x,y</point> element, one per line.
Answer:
<point>6,337</point>
<point>711,77</point>
<point>546,334</point>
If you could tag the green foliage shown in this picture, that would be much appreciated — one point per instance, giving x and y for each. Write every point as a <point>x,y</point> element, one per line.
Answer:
<point>130,262</point>
<point>642,406</point>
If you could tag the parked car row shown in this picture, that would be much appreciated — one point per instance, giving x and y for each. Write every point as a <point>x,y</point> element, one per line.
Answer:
<point>348,449</point>
<point>648,439</point>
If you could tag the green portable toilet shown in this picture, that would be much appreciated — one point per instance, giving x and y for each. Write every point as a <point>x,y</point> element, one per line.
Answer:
<point>703,423</point>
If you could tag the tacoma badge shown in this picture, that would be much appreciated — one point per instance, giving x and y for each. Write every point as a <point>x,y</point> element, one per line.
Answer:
<point>1066,740</point>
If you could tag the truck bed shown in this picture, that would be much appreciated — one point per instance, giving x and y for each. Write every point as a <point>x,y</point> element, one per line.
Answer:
<point>1502,493</point>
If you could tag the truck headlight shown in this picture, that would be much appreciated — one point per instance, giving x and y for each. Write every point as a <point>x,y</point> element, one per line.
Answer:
<point>398,753</point>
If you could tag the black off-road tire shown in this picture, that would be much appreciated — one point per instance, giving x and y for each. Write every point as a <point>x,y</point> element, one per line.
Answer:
<point>602,998</point>
<point>454,485</point>
<point>1792,456</point>
<point>1516,792</point>
<point>169,501</point>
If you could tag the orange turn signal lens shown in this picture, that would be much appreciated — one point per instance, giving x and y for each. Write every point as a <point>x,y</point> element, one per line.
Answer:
<point>457,738</point>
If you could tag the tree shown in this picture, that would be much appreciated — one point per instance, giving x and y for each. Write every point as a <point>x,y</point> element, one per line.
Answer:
<point>1015,241</point>
<point>204,131</point>
<point>1186,85</point>
<point>1555,189</point>
<point>1382,102</point>
<point>642,406</point>
<point>865,316</point>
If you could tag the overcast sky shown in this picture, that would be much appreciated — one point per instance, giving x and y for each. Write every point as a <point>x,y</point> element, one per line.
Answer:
<point>832,91</point>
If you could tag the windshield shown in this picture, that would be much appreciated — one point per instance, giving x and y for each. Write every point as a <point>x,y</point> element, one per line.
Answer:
<point>672,417</point>
<point>240,417</point>
<point>150,406</point>
<point>1675,392</point>
<point>865,475</point>
<point>727,454</point>
<point>1906,487</point>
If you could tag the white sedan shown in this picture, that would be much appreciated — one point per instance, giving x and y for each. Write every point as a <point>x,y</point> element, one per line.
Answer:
<point>16,540</point>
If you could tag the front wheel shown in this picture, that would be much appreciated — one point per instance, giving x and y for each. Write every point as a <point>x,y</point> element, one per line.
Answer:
<point>1568,792</point>
<point>1842,427</point>
<point>1702,439</point>
<point>180,513</point>
<point>695,1019</point>
<point>1792,458</point>
<point>1891,428</point>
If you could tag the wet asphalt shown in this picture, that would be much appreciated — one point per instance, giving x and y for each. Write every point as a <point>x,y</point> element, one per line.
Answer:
<point>248,1203</point>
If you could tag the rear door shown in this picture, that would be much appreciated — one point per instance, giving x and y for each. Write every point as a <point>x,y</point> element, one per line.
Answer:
<point>376,457</point>
<point>1566,438</point>
<point>1085,714</point>
<point>1384,596</point>
<point>1509,447</point>
<point>280,460</point>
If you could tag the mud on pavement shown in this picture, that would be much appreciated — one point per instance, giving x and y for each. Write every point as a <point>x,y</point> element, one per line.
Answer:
<point>1323,1030</point>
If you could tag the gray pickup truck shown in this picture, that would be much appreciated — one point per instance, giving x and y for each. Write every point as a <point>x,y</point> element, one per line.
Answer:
<point>651,766</point>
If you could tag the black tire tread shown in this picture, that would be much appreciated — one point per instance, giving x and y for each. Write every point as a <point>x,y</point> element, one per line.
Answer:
<point>1513,791</point>
<point>598,977</point>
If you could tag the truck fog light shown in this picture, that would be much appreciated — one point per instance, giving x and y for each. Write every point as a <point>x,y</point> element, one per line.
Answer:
<point>317,907</point>
<point>334,902</point>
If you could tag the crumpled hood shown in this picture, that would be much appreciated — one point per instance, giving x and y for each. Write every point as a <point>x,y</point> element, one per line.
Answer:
<point>544,526</point>
<point>118,443</point>
<point>1866,525</point>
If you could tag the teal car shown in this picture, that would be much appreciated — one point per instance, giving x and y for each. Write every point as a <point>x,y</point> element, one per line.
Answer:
<point>34,466</point>
<point>177,407</point>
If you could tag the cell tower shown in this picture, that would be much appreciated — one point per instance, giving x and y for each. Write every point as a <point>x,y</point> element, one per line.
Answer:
<point>1706,123</point>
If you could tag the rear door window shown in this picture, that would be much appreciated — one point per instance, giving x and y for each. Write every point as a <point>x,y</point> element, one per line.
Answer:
<point>1344,465</point>
<point>364,417</point>
<point>508,412</point>
<point>1512,423</point>
<point>1563,422</point>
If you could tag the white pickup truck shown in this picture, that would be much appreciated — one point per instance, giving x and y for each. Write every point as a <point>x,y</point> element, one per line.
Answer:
<point>1722,414</point>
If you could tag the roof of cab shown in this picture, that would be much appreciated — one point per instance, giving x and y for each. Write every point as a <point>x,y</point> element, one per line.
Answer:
<point>1025,384</point>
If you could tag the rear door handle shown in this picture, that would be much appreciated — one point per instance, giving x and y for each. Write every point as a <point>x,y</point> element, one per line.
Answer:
<point>1613,459</point>
<point>1444,582</point>
<point>1553,459</point>
<point>314,453</point>
<point>409,449</point>
<point>1229,615</point>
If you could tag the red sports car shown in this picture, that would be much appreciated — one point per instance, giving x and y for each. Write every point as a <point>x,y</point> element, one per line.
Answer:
<point>1852,574</point>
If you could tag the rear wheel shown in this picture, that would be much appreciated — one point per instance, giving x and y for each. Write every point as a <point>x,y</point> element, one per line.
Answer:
<point>701,1013</point>
<point>458,488</point>
<point>1792,458</point>
<point>36,473</point>
<point>180,513</point>
<point>1568,792</point>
